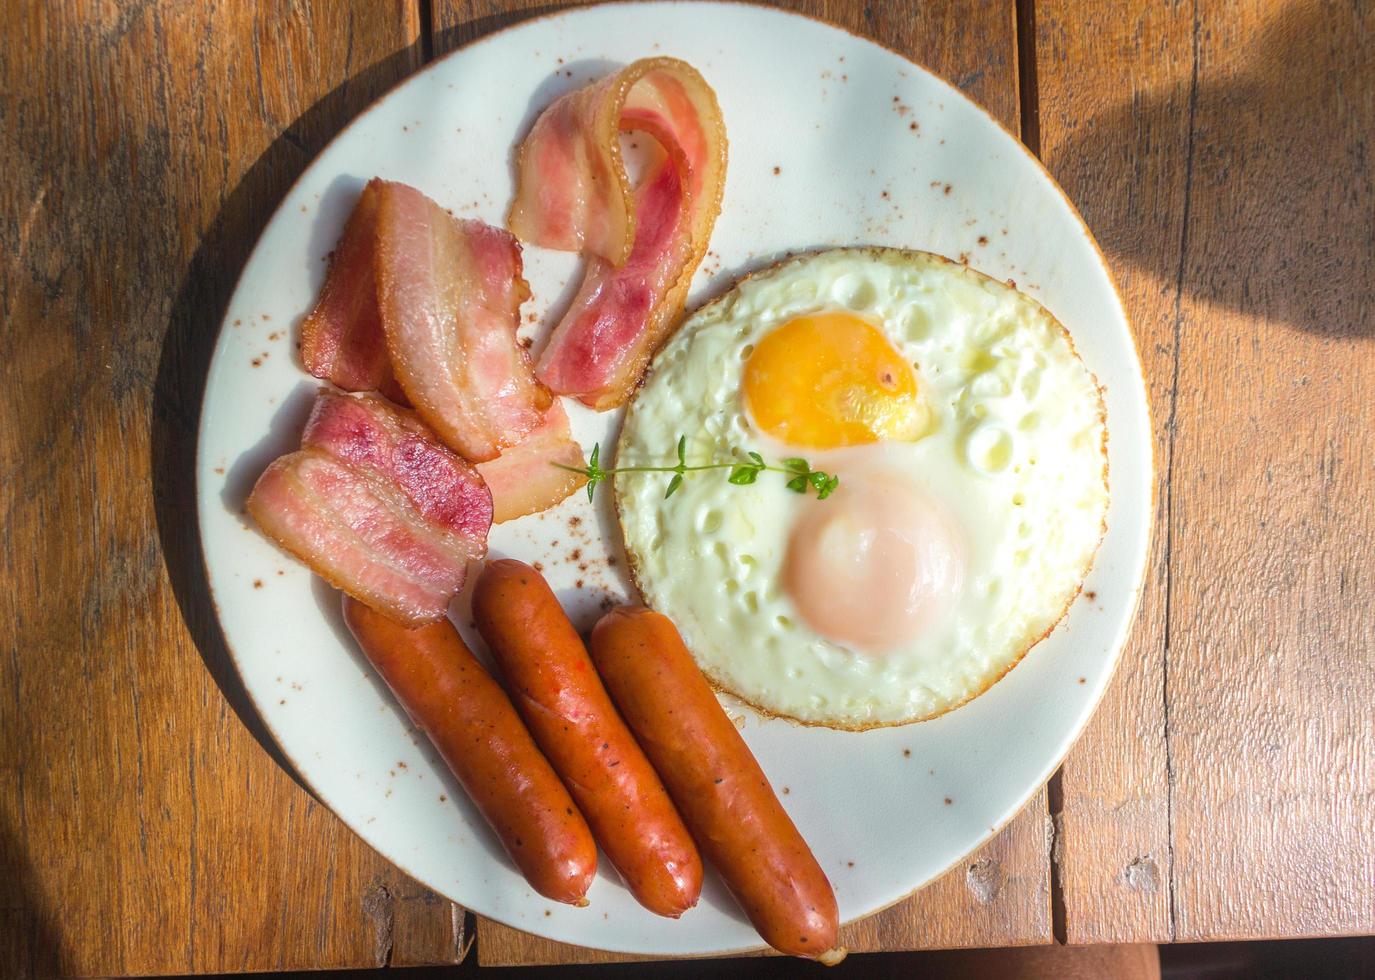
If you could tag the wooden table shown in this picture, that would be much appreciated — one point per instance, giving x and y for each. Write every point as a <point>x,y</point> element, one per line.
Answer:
<point>1221,151</point>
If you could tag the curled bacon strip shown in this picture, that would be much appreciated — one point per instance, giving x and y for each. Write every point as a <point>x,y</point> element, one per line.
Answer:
<point>450,293</point>
<point>376,506</point>
<point>645,242</point>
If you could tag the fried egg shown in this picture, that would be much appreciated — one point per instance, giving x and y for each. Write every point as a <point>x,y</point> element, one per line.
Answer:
<point>969,443</point>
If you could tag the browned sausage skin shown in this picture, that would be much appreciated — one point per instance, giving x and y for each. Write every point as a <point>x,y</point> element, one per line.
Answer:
<point>719,788</point>
<point>470,720</point>
<point>557,691</point>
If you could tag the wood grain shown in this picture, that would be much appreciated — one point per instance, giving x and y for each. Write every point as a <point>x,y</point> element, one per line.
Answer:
<point>1113,126</point>
<point>1219,151</point>
<point>1232,183</point>
<point>1273,527</point>
<point>974,45</point>
<point>144,829</point>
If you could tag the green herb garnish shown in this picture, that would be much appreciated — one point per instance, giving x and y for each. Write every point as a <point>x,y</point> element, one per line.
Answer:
<point>742,472</point>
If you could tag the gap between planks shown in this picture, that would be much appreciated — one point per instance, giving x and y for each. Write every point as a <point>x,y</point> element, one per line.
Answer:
<point>1029,125</point>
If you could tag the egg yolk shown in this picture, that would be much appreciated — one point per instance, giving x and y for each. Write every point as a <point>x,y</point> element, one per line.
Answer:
<point>832,379</point>
<point>873,566</point>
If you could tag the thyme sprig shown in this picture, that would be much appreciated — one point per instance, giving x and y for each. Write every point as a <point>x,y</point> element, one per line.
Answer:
<point>743,472</point>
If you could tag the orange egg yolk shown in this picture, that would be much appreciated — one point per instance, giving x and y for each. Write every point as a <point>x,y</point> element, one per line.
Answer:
<point>828,380</point>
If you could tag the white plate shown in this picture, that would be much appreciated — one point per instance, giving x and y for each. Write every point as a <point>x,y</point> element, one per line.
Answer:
<point>833,141</point>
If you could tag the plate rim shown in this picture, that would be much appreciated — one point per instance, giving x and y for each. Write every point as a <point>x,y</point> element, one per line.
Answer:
<point>1142,389</point>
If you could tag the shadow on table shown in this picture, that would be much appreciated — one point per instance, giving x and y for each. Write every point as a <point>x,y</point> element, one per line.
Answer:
<point>1280,196</point>
<point>187,345</point>
<point>29,940</point>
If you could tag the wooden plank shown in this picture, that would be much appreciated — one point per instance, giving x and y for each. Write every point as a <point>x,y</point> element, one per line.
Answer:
<point>142,828</point>
<point>974,45</point>
<point>1113,126</point>
<point>1273,524</point>
<point>1265,304</point>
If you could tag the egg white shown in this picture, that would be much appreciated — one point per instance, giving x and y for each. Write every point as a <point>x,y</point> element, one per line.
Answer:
<point>1016,456</point>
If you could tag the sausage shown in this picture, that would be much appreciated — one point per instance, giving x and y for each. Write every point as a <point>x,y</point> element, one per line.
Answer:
<point>469,718</point>
<point>720,790</point>
<point>557,691</point>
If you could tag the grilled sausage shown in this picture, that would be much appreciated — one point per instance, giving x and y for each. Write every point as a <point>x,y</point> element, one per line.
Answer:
<point>469,718</point>
<point>719,788</point>
<point>558,693</point>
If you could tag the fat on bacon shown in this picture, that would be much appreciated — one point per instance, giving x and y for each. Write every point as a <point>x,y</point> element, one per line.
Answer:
<point>376,506</point>
<point>644,242</point>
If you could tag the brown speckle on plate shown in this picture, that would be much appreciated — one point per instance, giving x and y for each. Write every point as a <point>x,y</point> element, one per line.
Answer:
<point>786,791</point>
<point>257,362</point>
<point>777,171</point>
<point>1083,680</point>
<point>443,798</point>
<point>266,318</point>
<point>257,583</point>
<point>907,753</point>
<point>948,801</point>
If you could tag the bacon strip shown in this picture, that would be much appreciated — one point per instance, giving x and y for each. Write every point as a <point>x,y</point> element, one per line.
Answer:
<point>341,338</point>
<point>450,293</point>
<point>376,506</point>
<point>524,479</point>
<point>573,193</point>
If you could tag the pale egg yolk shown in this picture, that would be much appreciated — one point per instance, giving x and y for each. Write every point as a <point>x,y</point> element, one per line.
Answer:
<point>832,379</point>
<point>874,565</point>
